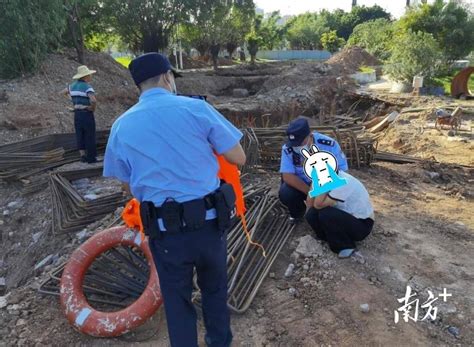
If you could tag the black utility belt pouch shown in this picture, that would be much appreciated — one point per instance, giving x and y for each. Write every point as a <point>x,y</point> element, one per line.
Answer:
<point>194,214</point>
<point>172,215</point>
<point>149,219</point>
<point>224,203</point>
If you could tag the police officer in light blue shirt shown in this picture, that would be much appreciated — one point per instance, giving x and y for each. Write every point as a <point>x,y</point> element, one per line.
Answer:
<point>295,184</point>
<point>163,149</point>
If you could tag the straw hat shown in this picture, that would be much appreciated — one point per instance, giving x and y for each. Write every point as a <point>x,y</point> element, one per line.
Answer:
<point>83,71</point>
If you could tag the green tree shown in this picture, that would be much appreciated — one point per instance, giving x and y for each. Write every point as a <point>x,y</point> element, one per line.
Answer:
<point>304,31</point>
<point>253,43</point>
<point>28,31</point>
<point>358,15</point>
<point>92,22</point>
<point>375,36</point>
<point>451,24</point>
<point>238,24</point>
<point>414,54</point>
<point>206,31</point>
<point>146,25</point>
<point>271,32</point>
<point>214,25</point>
<point>331,42</point>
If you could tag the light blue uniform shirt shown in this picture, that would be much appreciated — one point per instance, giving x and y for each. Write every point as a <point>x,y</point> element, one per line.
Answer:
<point>163,147</point>
<point>324,143</point>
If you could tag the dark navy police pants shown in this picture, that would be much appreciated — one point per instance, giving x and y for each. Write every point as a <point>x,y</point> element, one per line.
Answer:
<point>176,255</point>
<point>84,125</point>
<point>340,229</point>
<point>293,199</point>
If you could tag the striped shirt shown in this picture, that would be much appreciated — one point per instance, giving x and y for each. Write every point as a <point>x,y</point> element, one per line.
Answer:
<point>80,91</point>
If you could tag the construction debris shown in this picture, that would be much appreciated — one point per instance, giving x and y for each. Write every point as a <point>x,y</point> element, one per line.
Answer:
<point>397,158</point>
<point>380,123</point>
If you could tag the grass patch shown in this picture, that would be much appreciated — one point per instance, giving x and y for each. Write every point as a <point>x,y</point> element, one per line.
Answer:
<point>125,61</point>
<point>445,81</point>
<point>366,69</point>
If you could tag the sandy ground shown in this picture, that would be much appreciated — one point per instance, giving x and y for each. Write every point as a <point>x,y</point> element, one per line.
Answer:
<point>423,237</point>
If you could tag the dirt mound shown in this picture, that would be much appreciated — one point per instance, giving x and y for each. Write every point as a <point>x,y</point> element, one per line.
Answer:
<point>189,63</point>
<point>282,90</point>
<point>352,58</point>
<point>34,101</point>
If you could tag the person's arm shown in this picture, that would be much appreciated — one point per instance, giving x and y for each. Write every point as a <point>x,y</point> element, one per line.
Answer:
<point>288,172</point>
<point>114,164</point>
<point>223,136</point>
<point>65,92</point>
<point>322,201</point>
<point>294,181</point>
<point>93,101</point>
<point>235,155</point>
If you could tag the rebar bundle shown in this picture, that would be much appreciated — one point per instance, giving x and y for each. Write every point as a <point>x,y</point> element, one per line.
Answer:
<point>114,280</point>
<point>71,212</point>
<point>25,161</point>
<point>118,277</point>
<point>358,148</point>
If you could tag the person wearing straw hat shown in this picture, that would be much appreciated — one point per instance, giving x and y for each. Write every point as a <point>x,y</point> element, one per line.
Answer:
<point>84,101</point>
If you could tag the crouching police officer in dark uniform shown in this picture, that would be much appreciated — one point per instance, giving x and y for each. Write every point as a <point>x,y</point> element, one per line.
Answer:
<point>295,184</point>
<point>163,150</point>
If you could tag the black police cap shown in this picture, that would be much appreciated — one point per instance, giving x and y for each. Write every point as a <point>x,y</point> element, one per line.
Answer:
<point>149,65</point>
<point>297,131</point>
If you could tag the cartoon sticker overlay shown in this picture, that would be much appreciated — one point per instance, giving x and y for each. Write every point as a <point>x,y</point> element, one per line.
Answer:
<point>321,167</point>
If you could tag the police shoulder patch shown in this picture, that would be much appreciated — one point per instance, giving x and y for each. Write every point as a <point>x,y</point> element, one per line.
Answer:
<point>325,142</point>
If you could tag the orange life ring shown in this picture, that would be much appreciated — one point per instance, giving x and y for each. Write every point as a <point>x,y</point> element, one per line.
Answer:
<point>106,324</point>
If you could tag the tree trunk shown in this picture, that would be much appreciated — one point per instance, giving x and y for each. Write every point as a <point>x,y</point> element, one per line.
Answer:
<point>202,48</point>
<point>253,49</point>
<point>215,49</point>
<point>74,24</point>
<point>231,47</point>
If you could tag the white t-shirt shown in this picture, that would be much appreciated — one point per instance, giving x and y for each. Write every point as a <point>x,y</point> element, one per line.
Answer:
<point>352,198</point>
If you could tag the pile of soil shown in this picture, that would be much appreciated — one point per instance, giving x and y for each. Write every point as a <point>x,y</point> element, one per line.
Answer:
<point>34,102</point>
<point>189,63</point>
<point>352,58</point>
